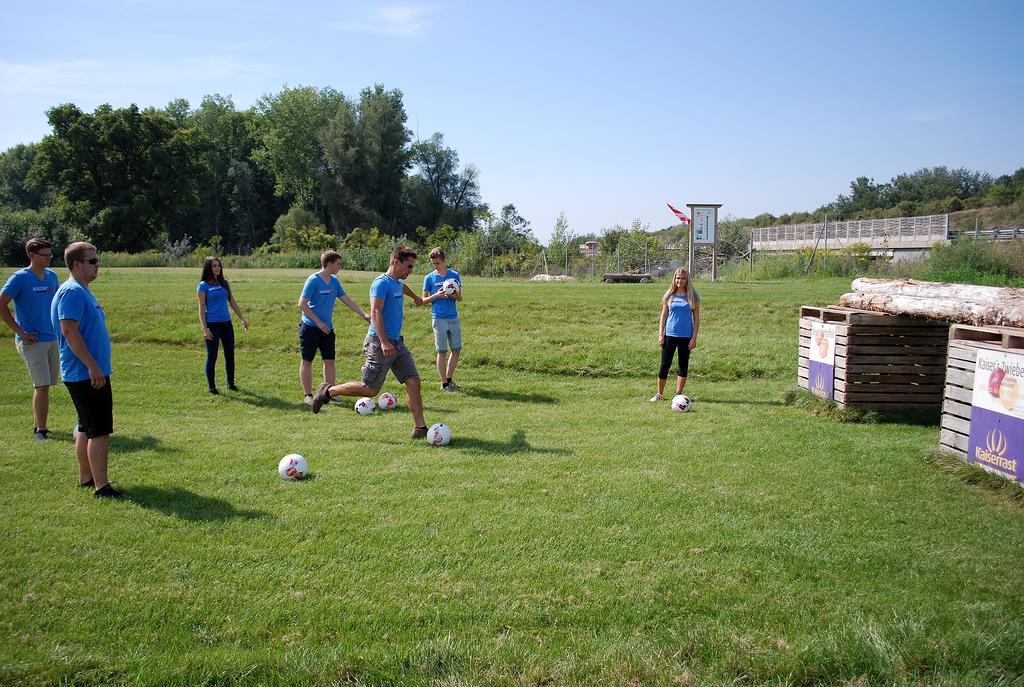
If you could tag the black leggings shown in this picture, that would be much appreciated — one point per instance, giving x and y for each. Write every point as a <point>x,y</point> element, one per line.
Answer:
<point>222,331</point>
<point>671,344</point>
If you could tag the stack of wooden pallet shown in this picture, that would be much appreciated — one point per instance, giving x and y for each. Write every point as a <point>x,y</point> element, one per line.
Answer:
<point>882,361</point>
<point>964,343</point>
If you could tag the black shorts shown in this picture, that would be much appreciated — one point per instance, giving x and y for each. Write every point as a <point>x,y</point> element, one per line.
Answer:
<point>95,408</point>
<point>311,339</point>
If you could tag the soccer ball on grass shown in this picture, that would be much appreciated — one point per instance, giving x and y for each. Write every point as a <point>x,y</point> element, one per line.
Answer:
<point>292,467</point>
<point>681,403</point>
<point>365,406</point>
<point>386,401</point>
<point>439,435</point>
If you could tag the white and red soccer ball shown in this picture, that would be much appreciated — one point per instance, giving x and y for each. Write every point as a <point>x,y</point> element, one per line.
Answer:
<point>451,286</point>
<point>292,467</point>
<point>387,401</point>
<point>439,435</point>
<point>681,403</point>
<point>365,406</point>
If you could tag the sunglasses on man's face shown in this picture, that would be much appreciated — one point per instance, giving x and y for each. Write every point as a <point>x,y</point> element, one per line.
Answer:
<point>91,261</point>
<point>45,255</point>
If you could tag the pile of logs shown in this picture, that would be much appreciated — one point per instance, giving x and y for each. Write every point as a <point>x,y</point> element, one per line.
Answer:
<point>978,305</point>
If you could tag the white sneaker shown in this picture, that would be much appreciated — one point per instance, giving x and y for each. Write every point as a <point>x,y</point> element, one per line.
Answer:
<point>308,400</point>
<point>657,397</point>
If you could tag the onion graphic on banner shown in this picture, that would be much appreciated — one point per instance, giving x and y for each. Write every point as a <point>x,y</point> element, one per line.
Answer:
<point>821,360</point>
<point>996,439</point>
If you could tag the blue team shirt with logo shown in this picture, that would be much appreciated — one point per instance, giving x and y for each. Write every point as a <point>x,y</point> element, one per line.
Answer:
<point>321,297</point>
<point>442,308</point>
<point>680,316</point>
<point>75,302</point>
<point>32,297</point>
<point>389,289</point>
<point>216,301</point>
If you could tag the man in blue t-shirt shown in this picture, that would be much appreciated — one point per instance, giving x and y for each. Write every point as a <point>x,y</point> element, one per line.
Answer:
<point>32,290</point>
<point>316,327</point>
<point>81,329</point>
<point>384,348</point>
<point>445,321</point>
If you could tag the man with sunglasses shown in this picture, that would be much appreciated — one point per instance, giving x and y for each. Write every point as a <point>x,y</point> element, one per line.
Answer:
<point>81,329</point>
<point>384,348</point>
<point>32,290</point>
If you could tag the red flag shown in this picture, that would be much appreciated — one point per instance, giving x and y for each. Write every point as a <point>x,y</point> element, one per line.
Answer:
<point>682,218</point>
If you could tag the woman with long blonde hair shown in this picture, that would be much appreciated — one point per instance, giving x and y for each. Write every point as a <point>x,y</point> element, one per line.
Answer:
<point>677,329</point>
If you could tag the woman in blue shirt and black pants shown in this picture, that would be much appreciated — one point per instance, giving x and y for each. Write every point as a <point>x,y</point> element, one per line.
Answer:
<point>214,293</point>
<point>677,329</point>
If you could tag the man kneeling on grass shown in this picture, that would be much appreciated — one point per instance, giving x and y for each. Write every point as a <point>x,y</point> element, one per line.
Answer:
<point>383,347</point>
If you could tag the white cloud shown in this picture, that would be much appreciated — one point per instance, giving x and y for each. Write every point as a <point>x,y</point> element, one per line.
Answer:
<point>393,20</point>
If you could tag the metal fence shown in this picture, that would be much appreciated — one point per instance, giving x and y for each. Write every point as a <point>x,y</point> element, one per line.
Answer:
<point>877,233</point>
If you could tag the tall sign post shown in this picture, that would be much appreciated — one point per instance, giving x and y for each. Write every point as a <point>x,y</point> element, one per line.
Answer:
<point>704,232</point>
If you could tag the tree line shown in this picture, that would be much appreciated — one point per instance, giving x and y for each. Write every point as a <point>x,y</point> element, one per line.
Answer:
<point>927,191</point>
<point>309,168</point>
<point>302,169</point>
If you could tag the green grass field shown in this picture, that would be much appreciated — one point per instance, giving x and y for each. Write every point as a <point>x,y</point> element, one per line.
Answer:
<point>572,533</point>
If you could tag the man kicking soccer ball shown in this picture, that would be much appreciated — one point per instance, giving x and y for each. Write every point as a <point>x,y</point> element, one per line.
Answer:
<point>383,347</point>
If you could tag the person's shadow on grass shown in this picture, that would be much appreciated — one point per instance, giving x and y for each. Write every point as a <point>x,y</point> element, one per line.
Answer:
<point>187,505</point>
<point>514,397</point>
<point>261,401</point>
<point>516,444</point>
<point>120,443</point>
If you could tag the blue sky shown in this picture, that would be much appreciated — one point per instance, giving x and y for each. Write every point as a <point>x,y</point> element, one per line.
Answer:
<point>602,110</point>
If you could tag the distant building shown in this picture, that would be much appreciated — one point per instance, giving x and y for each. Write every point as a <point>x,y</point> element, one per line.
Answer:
<point>589,248</point>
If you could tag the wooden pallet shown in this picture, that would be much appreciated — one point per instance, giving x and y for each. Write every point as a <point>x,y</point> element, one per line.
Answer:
<point>883,361</point>
<point>965,341</point>
<point>987,337</point>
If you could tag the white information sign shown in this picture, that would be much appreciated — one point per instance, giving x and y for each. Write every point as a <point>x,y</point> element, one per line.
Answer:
<point>704,225</point>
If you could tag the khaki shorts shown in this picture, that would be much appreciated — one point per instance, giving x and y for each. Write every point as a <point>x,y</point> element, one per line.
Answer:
<point>376,367</point>
<point>42,360</point>
<point>447,332</point>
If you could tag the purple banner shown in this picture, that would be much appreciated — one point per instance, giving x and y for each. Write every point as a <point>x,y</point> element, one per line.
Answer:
<point>820,377</point>
<point>996,442</point>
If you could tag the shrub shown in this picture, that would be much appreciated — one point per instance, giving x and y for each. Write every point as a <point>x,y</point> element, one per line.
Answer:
<point>971,261</point>
<point>18,226</point>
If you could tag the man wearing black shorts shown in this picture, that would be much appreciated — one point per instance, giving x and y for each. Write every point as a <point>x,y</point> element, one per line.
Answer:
<point>316,328</point>
<point>81,329</point>
<point>384,348</point>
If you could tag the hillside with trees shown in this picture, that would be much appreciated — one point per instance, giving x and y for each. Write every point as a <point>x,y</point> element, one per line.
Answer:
<point>302,169</point>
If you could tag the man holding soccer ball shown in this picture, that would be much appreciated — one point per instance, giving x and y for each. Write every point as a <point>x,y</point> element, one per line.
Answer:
<point>445,320</point>
<point>383,347</point>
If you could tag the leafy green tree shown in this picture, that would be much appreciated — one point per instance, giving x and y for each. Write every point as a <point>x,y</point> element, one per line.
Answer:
<point>178,111</point>
<point>236,198</point>
<point>440,193</point>
<point>120,174</point>
<point>290,125</point>
<point>564,244</point>
<point>15,164</point>
<point>366,156</point>
<point>368,238</point>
